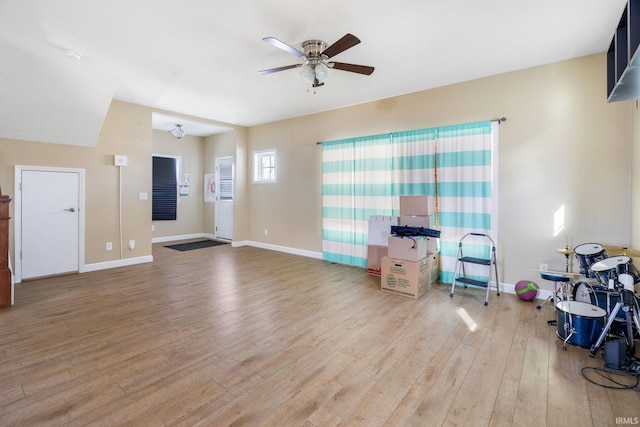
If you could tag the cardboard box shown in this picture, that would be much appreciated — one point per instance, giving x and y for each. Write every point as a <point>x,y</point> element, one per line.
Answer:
<point>380,228</point>
<point>417,205</point>
<point>374,258</point>
<point>410,248</point>
<point>424,221</point>
<point>409,278</point>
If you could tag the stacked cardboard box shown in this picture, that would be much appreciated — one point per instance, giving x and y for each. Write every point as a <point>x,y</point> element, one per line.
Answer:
<point>417,211</point>
<point>410,248</point>
<point>410,278</point>
<point>412,263</point>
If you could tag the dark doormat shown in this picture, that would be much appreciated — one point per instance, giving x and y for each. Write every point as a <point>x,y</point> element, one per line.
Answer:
<point>195,245</point>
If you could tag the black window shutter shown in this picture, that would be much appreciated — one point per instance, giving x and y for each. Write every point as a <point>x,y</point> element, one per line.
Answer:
<point>165,189</point>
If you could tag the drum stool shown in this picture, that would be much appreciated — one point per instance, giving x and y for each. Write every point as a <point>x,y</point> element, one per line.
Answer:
<point>555,278</point>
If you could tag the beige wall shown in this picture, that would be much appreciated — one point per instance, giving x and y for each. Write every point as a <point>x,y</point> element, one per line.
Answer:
<point>198,155</point>
<point>635,181</point>
<point>242,207</point>
<point>126,131</point>
<point>562,145</point>
<point>189,215</point>
<point>220,145</point>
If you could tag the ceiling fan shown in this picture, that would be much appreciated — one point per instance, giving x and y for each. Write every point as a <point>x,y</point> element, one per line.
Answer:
<point>317,55</point>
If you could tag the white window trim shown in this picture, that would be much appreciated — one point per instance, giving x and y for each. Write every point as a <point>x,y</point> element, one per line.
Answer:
<point>256,174</point>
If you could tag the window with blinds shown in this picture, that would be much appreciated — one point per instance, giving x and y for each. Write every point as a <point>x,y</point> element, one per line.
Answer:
<point>225,177</point>
<point>165,188</point>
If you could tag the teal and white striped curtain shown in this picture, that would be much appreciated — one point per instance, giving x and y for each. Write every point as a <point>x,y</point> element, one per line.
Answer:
<point>464,175</point>
<point>413,166</point>
<point>356,174</point>
<point>365,176</point>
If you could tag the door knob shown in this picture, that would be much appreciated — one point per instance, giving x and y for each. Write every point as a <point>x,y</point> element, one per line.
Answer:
<point>70,209</point>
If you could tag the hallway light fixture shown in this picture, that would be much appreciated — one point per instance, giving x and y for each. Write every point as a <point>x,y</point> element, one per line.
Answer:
<point>178,132</point>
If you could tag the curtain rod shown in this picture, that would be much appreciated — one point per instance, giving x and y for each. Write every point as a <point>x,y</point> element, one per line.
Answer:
<point>500,120</point>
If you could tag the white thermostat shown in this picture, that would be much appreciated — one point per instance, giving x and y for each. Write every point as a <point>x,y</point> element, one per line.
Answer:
<point>120,160</point>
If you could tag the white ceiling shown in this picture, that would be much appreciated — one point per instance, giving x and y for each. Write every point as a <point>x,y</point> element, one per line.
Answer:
<point>201,57</point>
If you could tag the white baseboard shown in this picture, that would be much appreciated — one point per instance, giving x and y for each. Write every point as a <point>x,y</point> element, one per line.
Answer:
<point>117,263</point>
<point>286,249</point>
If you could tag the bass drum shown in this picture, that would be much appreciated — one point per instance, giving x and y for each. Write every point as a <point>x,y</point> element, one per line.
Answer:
<point>597,294</point>
<point>586,292</point>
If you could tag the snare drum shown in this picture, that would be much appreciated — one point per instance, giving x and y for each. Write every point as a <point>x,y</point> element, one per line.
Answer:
<point>611,268</point>
<point>587,321</point>
<point>588,254</point>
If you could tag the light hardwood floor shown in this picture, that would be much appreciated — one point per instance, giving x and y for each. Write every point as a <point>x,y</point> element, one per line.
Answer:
<point>251,337</point>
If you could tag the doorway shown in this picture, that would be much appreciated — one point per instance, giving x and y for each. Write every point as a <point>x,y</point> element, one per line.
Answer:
<point>49,221</point>
<point>224,199</point>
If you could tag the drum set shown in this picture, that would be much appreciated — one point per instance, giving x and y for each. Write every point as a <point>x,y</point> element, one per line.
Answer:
<point>602,303</point>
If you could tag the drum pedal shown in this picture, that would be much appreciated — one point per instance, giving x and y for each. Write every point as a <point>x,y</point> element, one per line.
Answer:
<point>614,353</point>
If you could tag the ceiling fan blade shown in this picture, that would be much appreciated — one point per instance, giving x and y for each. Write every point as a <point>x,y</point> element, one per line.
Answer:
<point>273,70</point>
<point>281,45</point>
<point>360,69</point>
<point>346,42</point>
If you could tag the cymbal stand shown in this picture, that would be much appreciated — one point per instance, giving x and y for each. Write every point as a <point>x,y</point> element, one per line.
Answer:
<point>631,320</point>
<point>566,256</point>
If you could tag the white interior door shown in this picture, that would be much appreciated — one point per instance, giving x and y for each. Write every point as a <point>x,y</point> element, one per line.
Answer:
<point>49,222</point>
<point>224,198</point>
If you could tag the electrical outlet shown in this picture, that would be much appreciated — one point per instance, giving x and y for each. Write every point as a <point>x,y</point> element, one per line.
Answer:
<point>109,246</point>
<point>132,244</point>
<point>266,232</point>
<point>544,267</point>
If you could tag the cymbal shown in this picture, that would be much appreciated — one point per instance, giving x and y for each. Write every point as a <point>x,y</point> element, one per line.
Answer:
<point>565,251</point>
<point>620,250</point>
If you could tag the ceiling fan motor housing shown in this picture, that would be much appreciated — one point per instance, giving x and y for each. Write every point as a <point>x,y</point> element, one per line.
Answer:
<point>313,50</point>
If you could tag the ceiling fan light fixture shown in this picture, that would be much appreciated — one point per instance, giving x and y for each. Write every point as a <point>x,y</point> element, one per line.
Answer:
<point>178,132</point>
<point>322,71</point>
<point>307,72</point>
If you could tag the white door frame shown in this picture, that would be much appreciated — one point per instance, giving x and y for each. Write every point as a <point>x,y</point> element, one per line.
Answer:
<point>17,213</point>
